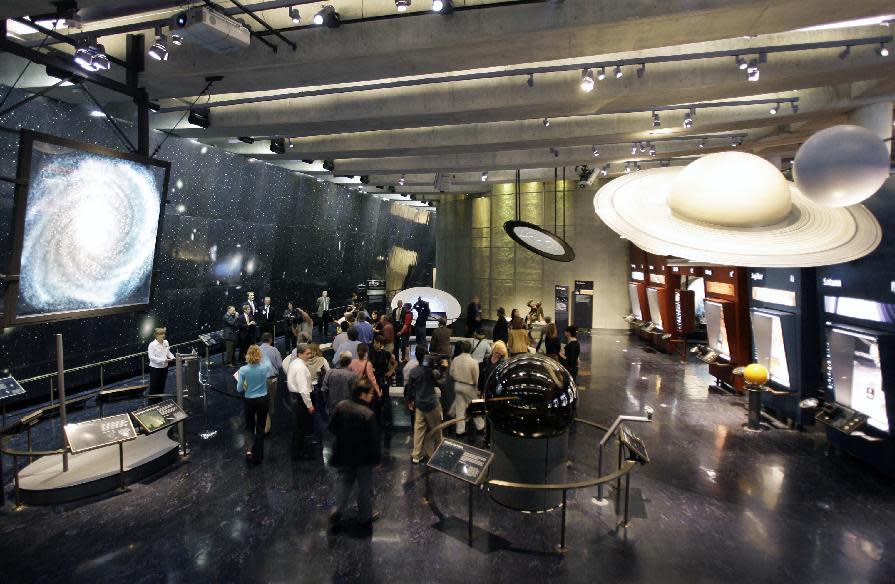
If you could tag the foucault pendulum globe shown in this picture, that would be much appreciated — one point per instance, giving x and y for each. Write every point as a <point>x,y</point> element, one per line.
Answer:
<point>530,404</point>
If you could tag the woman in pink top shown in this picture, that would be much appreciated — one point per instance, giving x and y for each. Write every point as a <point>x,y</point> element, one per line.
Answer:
<point>364,369</point>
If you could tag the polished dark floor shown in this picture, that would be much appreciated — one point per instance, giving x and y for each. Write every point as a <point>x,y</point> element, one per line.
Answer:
<point>716,504</point>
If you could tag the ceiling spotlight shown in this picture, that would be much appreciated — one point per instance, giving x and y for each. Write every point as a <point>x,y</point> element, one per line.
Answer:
<point>546,122</point>
<point>199,117</point>
<point>652,150</point>
<point>656,121</point>
<point>627,167</point>
<point>741,63</point>
<point>736,141</point>
<point>688,118</point>
<point>278,145</point>
<point>484,176</point>
<point>637,166</point>
<point>702,143</point>
<point>555,152</point>
<point>176,40</point>
<point>327,16</point>
<point>605,170</point>
<point>587,80</point>
<point>91,57</point>
<point>596,151</point>
<point>634,148</point>
<point>100,59</point>
<point>402,180</point>
<point>641,70</point>
<point>159,49</point>
<point>883,50</point>
<point>774,109</point>
<point>752,71</point>
<point>602,74</point>
<point>443,6</point>
<point>794,106</point>
<point>664,163</point>
<point>642,146</point>
<point>531,80</point>
<point>295,15</point>
<point>618,72</point>
<point>402,5</point>
<point>845,52</point>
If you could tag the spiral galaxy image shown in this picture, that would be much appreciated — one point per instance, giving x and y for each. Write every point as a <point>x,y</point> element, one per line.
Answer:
<point>91,223</point>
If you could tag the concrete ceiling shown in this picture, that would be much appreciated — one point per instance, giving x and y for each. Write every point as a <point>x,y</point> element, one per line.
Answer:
<point>410,96</point>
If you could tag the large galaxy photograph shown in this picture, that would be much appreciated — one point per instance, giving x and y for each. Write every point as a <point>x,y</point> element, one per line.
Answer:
<point>90,226</point>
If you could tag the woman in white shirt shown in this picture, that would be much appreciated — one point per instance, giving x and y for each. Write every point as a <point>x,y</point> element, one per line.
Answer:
<point>159,357</point>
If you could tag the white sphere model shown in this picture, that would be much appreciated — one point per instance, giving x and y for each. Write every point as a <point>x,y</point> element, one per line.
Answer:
<point>733,189</point>
<point>841,166</point>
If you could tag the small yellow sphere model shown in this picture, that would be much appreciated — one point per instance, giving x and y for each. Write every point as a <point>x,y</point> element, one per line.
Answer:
<point>756,374</point>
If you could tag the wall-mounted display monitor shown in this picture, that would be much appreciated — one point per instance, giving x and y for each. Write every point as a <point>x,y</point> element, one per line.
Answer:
<point>652,298</point>
<point>855,375</point>
<point>697,286</point>
<point>86,224</point>
<point>716,328</point>
<point>635,301</point>
<point>768,345</point>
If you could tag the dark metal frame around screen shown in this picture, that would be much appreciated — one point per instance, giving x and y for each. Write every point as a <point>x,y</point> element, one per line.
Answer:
<point>26,142</point>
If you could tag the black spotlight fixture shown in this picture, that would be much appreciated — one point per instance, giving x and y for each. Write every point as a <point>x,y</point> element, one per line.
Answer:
<point>278,145</point>
<point>402,5</point>
<point>329,165</point>
<point>295,15</point>
<point>641,70</point>
<point>159,49</point>
<point>199,117</point>
<point>364,179</point>
<point>246,139</point>
<point>657,123</point>
<point>328,17</point>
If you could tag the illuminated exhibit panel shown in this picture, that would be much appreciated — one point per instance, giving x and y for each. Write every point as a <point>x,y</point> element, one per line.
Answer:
<point>652,296</point>
<point>769,348</point>
<point>855,375</point>
<point>88,221</point>
<point>635,301</point>
<point>716,328</point>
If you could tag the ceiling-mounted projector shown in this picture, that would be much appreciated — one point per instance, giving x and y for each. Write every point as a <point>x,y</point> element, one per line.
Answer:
<point>212,30</point>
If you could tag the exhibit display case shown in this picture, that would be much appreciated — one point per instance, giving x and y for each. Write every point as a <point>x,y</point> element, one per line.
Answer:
<point>727,323</point>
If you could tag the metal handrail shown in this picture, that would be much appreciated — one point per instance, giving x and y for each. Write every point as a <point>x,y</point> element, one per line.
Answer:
<point>99,363</point>
<point>625,469</point>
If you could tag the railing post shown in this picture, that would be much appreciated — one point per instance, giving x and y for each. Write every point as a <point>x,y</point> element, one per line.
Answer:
<point>15,470</point>
<point>61,373</point>
<point>627,495</point>
<point>100,376</point>
<point>562,532</point>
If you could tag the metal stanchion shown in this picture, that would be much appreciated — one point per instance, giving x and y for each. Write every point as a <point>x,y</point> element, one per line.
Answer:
<point>101,382</point>
<point>15,470</point>
<point>469,527</point>
<point>61,373</point>
<point>178,374</point>
<point>30,458</point>
<point>627,496</point>
<point>562,532</point>
<point>121,465</point>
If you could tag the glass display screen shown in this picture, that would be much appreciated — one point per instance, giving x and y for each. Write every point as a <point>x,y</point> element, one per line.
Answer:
<point>698,288</point>
<point>652,297</point>
<point>635,301</point>
<point>769,350</point>
<point>716,329</point>
<point>855,374</point>
<point>89,220</point>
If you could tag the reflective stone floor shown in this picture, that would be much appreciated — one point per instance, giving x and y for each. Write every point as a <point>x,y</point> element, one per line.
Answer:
<point>715,505</point>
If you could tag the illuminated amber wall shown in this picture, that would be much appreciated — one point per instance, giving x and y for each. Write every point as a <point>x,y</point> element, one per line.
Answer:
<point>475,255</point>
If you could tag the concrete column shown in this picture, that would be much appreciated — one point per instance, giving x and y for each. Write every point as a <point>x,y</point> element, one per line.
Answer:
<point>876,117</point>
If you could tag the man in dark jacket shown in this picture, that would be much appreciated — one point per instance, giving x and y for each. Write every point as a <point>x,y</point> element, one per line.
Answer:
<point>441,339</point>
<point>229,336</point>
<point>502,327</point>
<point>355,452</point>
<point>473,317</point>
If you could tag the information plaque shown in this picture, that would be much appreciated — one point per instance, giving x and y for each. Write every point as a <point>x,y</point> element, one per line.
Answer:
<point>101,432</point>
<point>159,416</point>
<point>461,461</point>
<point>9,387</point>
<point>634,444</point>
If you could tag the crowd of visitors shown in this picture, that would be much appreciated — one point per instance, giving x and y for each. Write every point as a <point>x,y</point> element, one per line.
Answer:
<point>350,395</point>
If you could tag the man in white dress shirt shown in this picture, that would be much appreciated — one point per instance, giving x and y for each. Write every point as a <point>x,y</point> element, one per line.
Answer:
<point>300,384</point>
<point>159,358</point>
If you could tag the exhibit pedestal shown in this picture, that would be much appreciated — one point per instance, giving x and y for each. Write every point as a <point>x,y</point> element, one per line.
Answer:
<point>90,473</point>
<point>531,461</point>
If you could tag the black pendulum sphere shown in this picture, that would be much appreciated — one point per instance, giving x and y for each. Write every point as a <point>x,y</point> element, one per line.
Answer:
<point>535,397</point>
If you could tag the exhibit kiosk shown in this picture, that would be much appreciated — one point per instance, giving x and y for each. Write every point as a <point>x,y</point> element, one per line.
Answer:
<point>727,324</point>
<point>784,326</point>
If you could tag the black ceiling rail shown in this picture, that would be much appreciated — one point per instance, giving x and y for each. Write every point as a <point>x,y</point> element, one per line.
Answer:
<point>261,21</point>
